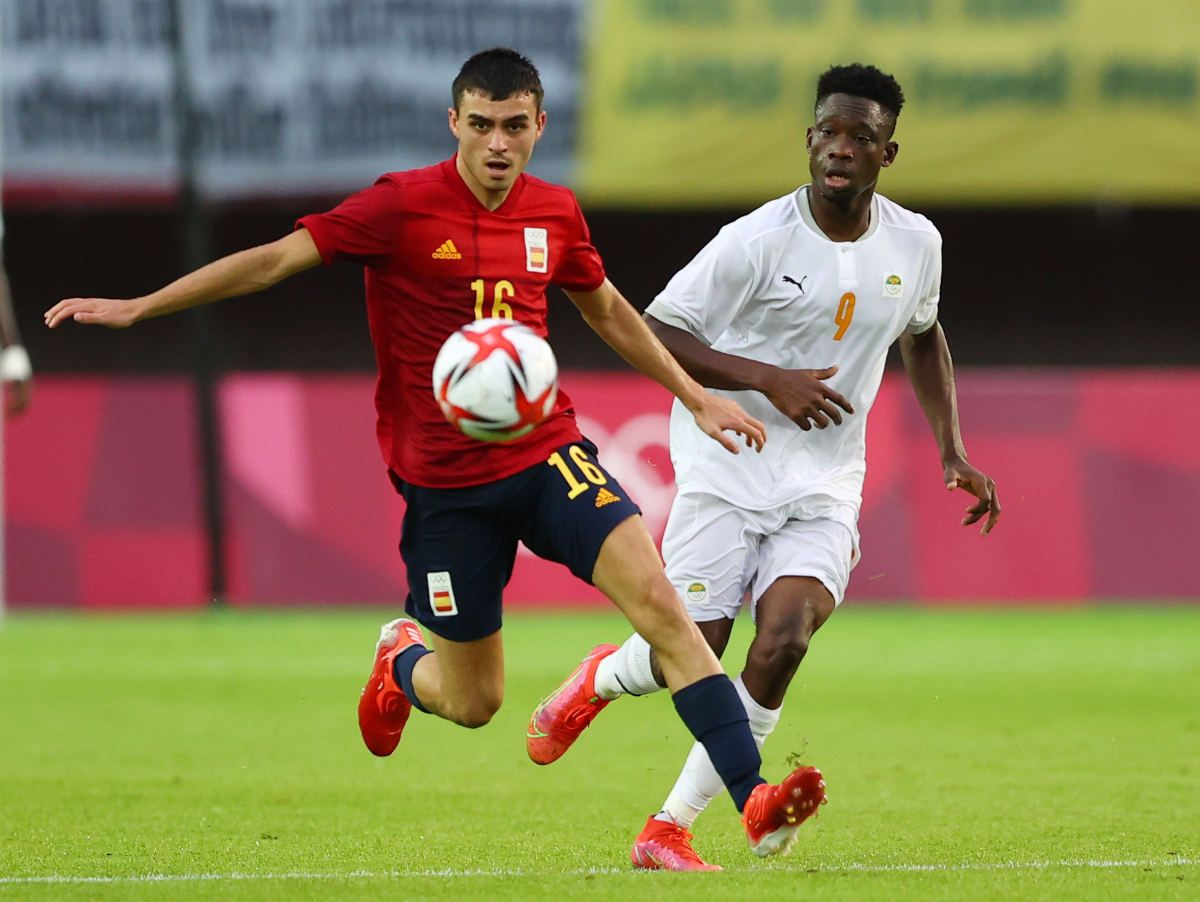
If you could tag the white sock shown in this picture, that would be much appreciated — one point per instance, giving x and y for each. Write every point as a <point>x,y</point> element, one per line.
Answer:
<point>627,671</point>
<point>763,721</point>
<point>698,782</point>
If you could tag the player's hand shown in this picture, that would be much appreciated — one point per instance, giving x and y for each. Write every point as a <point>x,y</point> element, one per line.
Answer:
<point>715,415</point>
<point>959,474</point>
<point>110,312</point>
<point>803,397</point>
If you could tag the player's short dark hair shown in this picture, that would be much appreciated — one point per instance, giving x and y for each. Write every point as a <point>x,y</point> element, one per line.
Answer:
<point>862,81</point>
<point>498,73</point>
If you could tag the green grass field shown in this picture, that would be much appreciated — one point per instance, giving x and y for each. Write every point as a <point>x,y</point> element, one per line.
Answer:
<point>968,755</point>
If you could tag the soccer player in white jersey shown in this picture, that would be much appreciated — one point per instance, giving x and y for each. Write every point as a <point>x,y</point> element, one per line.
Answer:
<point>791,310</point>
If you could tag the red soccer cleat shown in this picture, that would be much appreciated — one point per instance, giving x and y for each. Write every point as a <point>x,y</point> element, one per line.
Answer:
<point>565,713</point>
<point>773,814</point>
<point>383,708</point>
<point>666,846</point>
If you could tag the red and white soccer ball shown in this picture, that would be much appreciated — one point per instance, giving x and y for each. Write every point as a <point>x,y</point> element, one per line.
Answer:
<point>495,379</point>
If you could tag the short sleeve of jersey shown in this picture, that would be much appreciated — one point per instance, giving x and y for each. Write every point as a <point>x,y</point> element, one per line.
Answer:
<point>707,294</point>
<point>363,228</point>
<point>579,266</point>
<point>925,314</point>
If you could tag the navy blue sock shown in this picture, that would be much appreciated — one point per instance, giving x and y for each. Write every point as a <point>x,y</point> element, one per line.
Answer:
<point>713,712</point>
<point>402,671</point>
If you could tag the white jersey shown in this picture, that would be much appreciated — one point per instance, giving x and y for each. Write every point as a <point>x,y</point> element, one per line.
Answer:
<point>772,287</point>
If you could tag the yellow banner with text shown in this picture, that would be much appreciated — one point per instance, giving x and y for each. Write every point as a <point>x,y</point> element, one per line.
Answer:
<point>706,102</point>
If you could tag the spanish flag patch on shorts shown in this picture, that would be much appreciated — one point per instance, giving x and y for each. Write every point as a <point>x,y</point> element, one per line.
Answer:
<point>441,594</point>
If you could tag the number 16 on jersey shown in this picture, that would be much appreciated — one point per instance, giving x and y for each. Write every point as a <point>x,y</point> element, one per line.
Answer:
<point>501,292</point>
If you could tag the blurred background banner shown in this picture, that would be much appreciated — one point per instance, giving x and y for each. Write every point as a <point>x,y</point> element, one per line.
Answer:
<point>86,99</point>
<point>290,96</point>
<point>684,102</point>
<point>698,102</point>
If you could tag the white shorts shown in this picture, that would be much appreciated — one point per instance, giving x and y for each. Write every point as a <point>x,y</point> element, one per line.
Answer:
<point>716,552</point>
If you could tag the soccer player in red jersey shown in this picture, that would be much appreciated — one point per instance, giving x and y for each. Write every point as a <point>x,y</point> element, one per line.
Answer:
<point>468,238</point>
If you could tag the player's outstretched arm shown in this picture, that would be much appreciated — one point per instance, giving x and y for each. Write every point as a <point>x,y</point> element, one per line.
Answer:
<point>931,371</point>
<point>800,395</point>
<point>614,319</point>
<point>245,272</point>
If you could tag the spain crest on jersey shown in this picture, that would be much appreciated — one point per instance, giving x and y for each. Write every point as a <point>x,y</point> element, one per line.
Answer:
<point>537,250</point>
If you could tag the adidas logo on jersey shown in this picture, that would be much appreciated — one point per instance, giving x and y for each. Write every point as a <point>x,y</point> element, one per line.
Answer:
<point>447,252</point>
<point>604,496</point>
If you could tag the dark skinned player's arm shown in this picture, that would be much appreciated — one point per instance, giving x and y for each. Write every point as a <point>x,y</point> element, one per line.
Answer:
<point>712,369</point>
<point>800,395</point>
<point>244,272</point>
<point>931,372</point>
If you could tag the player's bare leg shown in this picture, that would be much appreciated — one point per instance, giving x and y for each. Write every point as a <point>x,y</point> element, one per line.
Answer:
<point>788,614</point>
<point>791,610</point>
<point>459,681</point>
<point>716,634</point>
<point>629,571</point>
<point>462,682</point>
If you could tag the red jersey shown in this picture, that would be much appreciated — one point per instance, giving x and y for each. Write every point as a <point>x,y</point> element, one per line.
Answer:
<point>436,259</point>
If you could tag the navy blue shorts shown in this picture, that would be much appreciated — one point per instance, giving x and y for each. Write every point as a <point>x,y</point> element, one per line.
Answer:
<point>459,545</point>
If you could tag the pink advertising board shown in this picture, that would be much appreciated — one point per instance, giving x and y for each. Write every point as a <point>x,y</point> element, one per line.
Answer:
<point>1095,504</point>
<point>103,496</point>
<point>1098,472</point>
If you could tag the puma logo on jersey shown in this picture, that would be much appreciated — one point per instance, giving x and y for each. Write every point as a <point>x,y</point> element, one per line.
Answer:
<point>799,284</point>
<point>447,252</point>
<point>604,496</point>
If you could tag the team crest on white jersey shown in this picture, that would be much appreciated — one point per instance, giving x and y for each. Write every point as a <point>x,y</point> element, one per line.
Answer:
<point>893,287</point>
<point>537,250</point>
<point>441,594</point>
<point>697,592</point>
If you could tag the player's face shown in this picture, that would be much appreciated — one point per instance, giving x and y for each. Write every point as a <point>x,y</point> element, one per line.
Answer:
<point>848,144</point>
<point>495,140</point>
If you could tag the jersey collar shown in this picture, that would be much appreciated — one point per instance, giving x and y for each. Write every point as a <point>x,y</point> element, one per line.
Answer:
<point>449,170</point>
<point>804,208</point>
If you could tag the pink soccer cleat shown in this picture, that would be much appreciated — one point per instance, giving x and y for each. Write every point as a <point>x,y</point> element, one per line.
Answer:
<point>666,846</point>
<point>565,713</point>
<point>383,708</point>
<point>773,814</point>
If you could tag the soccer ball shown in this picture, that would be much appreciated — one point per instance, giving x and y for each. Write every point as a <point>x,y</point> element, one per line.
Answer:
<point>495,380</point>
